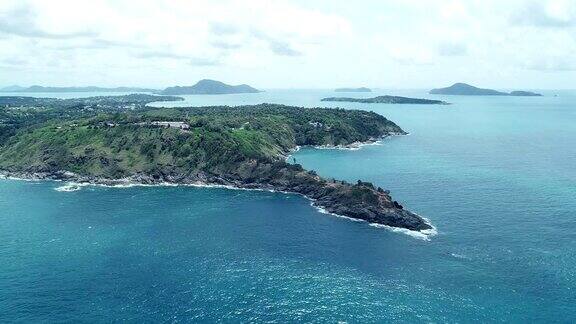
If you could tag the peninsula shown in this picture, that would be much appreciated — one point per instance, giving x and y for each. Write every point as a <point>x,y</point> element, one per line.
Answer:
<point>361,89</point>
<point>100,142</point>
<point>388,100</point>
<point>463,89</point>
<point>209,87</point>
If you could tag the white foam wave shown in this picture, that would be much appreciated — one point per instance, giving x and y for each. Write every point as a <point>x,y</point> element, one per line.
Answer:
<point>459,256</point>
<point>70,186</point>
<point>8,177</point>
<point>126,183</point>
<point>324,211</point>
<point>421,235</point>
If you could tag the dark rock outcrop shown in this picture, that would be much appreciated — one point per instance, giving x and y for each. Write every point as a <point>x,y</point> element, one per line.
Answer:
<point>358,201</point>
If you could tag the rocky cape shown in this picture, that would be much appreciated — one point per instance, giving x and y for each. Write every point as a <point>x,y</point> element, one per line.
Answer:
<point>360,201</point>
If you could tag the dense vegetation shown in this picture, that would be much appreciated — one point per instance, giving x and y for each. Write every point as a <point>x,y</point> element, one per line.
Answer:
<point>116,144</point>
<point>17,113</point>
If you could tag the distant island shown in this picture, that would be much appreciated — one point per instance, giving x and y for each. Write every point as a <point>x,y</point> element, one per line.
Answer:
<point>100,103</point>
<point>119,140</point>
<point>388,100</point>
<point>201,87</point>
<point>37,88</point>
<point>209,87</point>
<point>362,89</point>
<point>525,94</point>
<point>463,89</point>
<point>13,88</point>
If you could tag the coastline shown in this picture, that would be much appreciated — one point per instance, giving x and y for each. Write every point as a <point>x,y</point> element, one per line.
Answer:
<point>74,182</point>
<point>347,147</point>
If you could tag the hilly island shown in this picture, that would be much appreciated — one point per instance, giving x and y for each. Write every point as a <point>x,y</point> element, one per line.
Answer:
<point>463,89</point>
<point>119,140</point>
<point>209,87</point>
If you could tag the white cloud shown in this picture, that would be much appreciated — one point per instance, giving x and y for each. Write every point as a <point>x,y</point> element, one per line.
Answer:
<point>285,43</point>
<point>452,49</point>
<point>554,13</point>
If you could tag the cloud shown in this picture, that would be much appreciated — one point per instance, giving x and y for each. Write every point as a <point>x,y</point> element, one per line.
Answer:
<point>225,45</point>
<point>552,64</point>
<point>282,48</point>
<point>205,61</point>
<point>93,44</point>
<point>452,49</point>
<point>14,61</point>
<point>411,54</point>
<point>219,28</point>
<point>22,21</point>
<point>105,30</point>
<point>161,55</point>
<point>277,46</point>
<point>559,14</point>
<point>393,42</point>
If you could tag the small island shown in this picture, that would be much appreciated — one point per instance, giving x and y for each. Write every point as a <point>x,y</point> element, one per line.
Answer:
<point>361,89</point>
<point>525,94</point>
<point>388,100</point>
<point>204,87</point>
<point>463,89</point>
<point>120,140</point>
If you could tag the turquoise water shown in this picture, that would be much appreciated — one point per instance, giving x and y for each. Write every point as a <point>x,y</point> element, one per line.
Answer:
<point>496,176</point>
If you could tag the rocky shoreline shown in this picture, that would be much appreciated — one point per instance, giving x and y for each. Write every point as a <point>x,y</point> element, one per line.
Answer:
<point>329,198</point>
<point>352,146</point>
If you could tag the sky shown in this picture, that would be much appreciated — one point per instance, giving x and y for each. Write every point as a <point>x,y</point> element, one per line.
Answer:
<point>269,44</point>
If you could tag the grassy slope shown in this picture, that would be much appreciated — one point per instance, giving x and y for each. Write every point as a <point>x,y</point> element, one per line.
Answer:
<point>220,139</point>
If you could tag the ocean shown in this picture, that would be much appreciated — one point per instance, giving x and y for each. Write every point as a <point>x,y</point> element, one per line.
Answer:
<point>495,175</point>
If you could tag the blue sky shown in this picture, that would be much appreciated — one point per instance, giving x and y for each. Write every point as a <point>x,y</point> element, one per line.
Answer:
<point>289,44</point>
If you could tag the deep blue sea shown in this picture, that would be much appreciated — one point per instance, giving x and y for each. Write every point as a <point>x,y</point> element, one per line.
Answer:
<point>495,175</point>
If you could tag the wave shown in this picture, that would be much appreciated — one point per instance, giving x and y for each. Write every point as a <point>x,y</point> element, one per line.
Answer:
<point>8,177</point>
<point>349,147</point>
<point>423,235</point>
<point>70,186</point>
<point>459,256</point>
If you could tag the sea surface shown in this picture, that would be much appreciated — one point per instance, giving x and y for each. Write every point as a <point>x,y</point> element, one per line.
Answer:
<point>495,175</point>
